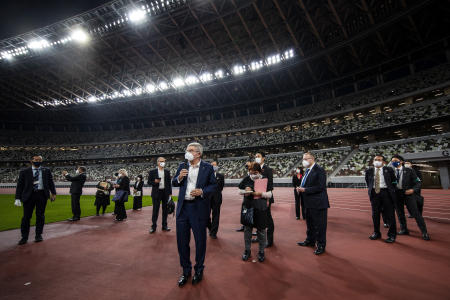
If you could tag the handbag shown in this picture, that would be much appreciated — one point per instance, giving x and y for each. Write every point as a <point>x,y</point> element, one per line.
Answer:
<point>120,194</point>
<point>170,206</point>
<point>247,215</point>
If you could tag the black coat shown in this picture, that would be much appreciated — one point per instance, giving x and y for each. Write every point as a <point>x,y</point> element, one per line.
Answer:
<point>410,180</point>
<point>259,205</point>
<point>267,172</point>
<point>24,188</point>
<point>152,175</point>
<point>76,187</point>
<point>138,185</point>
<point>124,184</point>
<point>389,179</point>
<point>315,195</point>
<point>295,181</point>
<point>220,182</point>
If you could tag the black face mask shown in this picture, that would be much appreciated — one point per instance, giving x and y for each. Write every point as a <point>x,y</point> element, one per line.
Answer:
<point>37,164</point>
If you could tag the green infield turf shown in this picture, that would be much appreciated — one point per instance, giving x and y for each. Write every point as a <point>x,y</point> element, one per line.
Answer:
<point>10,215</point>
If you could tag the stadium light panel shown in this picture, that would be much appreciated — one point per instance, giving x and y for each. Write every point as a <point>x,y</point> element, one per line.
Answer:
<point>136,15</point>
<point>238,69</point>
<point>38,44</point>
<point>256,65</point>
<point>92,99</point>
<point>163,86</point>
<point>150,88</point>
<point>178,82</point>
<point>137,91</point>
<point>206,77</point>
<point>219,74</point>
<point>191,80</point>
<point>79,36</point>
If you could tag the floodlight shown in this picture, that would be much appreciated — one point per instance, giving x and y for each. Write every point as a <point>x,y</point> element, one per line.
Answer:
<point>190,80</point>
<point>163,86</point>
<point>206,77</point>
<point>178,82</point>
<point>80,36</point>
<point>136,15</point>
<point>38,44</point>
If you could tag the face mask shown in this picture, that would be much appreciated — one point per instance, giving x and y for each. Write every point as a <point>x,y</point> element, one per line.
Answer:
<point>305,163</point>
<point>189,156</point>
<point>408,166</point>
<point>377,163</point>
<point>255,176</point>
<point>396,164</point>
<point>162,164</point>
<point>120,175</point>
<point>298,170</point>
<point>37,164</point>
<point>215,168</point>
<point>77,172</point>
<point>138,179</point>
<point>258,160</point>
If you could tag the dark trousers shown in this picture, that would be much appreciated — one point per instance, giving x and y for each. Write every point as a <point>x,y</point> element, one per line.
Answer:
<point>39,201</point>
<point>216,202</point>
<point>101,206</point>
<point>121,213</point>
<point>270,225</point>
<point>299,203</point>
<point>382,203</point>
<point>411,204</point>
<point>76,210</point>
<point>189,219</point>
<point>159,196</point>
<point>316,225</point>
<point>137,202</point>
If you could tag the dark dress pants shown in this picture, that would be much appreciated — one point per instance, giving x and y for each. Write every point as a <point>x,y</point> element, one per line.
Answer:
<point>76,210</point>
<point>382,204</point>
<point>160,196</point>
<point>39,201</point>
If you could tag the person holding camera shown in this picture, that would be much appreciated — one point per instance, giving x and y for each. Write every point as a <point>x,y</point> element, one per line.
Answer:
<point>76,189</point>
<point>159,180</point>
<point>104,189</point>
<point>137,193</point>
<point>122,191</point>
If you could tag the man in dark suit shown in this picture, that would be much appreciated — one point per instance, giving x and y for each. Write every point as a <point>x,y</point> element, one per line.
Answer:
<point>34,187</point>
<point>76,189</point>
<point>267,172</point>
<point>216,202</point>
<point>159,180</point>
<point>197,182</point>
<point>407,190</point>
<point>314,193</point>
<point>380,181</point>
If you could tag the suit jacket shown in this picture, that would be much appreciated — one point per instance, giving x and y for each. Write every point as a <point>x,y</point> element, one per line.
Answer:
<point>389,179</point>
<point>152,175</point>
<point>267,172</point>
<point>295,181</point>
<point>315,194</point>
<point>124,184</point>
<point>410,180</point>
<point>205,181</point>
<point>220,182</point>
<point>76,187</point>
<point>24,188</point>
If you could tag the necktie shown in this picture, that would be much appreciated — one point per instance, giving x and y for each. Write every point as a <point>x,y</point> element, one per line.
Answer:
<point>36,179</point>
<point>304,178</point>
<point>377,181</point>
<point>398,175</point>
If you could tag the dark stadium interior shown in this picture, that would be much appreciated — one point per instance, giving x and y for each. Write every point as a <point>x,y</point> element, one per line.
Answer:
<point>120,84</point>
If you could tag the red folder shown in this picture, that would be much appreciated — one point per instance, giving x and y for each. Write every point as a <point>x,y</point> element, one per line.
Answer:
<point>260,186</point>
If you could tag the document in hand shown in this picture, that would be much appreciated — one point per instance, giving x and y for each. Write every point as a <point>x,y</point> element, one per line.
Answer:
<point>260,186</point>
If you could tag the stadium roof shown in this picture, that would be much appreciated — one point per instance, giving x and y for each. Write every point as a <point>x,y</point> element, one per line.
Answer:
<point>206,53</point>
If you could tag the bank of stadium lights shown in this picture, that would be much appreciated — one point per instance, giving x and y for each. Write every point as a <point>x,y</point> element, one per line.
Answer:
<point>191,80</point>
<point>137,15</point>
<point>79,35</point>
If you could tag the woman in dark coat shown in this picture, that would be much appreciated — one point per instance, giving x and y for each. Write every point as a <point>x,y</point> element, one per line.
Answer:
<point>123,184</point>
<point>260,205</point>
<point>104,189</point>
<point>137,193</point>
<point>296,182</point>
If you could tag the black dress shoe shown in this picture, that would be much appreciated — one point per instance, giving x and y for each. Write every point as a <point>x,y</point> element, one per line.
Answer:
<point>298,218</point>
<point>390,240</point>
<point>166,229</point>
<point>22,241</point>
<point>306,243</point>
<point>118,220</point>
<point>255,240</point>
<point>73,219</point>
<point>198,276</point>
<point>240,229</point>
<point>375,236</point>
<point>38,238</point>
<point>425,236</point>
<point>261,256</point>
<point>386,225</point>
<point>183,279</point>
<point>269,244</point>
<point>403,232</point>
<point>319,250</point>
<point>246,255</point>
<point>410,217</point>
<point>152,230</point>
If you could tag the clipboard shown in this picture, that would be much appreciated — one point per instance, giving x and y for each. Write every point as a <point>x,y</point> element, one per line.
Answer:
<point>260,186</point>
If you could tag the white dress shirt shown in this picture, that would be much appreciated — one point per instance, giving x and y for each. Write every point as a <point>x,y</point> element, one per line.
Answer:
<point>192,180</point>
<point>399,183</point>
<point>161,175</point>
<point>41,181</point>
<point>382,182</point>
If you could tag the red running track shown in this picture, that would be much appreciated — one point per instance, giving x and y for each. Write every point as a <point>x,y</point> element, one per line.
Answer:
<point>98,259</point>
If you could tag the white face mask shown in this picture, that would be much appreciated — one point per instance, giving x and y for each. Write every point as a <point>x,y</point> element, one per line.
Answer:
<point>255,176</point>
<point>377,163</point>
<point>216,168</point>
<point>162,164</point>
<point>305,163</point>
<point>298,170</point>
<point>408,166</point>
<point>189,156</point>
<point>120,174</point>
<point>258,160</point>
<point>77,172</point>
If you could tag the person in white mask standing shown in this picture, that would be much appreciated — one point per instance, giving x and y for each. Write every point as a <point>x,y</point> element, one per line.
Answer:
<point>197,183</point>
<point>159,180</point>
<point>314,192</point>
